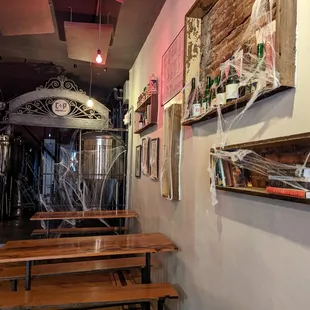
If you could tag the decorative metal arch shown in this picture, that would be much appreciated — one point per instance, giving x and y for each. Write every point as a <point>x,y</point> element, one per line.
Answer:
<point>36,108</point>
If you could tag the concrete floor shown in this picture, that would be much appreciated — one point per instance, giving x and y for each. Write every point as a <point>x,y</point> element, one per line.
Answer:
<point>17,229</point>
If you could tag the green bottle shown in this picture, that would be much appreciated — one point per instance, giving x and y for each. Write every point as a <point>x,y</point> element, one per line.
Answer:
<point>232,86</point>
<point>260,66</point>
<point>215,86</point>
<point>191,98</point>
<point>207,97</point>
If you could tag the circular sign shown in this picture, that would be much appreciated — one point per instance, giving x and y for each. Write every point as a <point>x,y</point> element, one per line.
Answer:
<point>61,107</point>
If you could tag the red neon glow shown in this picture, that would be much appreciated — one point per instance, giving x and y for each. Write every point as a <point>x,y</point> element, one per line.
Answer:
<point>99,59</point>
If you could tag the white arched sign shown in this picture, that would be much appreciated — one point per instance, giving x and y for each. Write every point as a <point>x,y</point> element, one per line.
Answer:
<point>60,103</point>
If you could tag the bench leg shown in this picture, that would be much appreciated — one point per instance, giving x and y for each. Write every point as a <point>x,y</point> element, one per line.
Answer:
<point>146,274</point>
<point>47,228</point>
<point>120,227</point>
<point>28,276</point>
<point>146,277</point>
<point>13,285</point>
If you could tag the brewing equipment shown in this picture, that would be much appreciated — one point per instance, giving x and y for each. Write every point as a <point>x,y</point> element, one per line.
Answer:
<point>103,168</point>
<point>5,156</point>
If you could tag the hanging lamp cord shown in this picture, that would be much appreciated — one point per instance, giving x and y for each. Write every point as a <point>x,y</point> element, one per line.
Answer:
<point>90,79</point>
<point>100,20</point>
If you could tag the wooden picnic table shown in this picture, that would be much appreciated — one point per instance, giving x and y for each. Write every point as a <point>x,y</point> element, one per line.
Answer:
<point>82,215</point>
<point>63,248</point>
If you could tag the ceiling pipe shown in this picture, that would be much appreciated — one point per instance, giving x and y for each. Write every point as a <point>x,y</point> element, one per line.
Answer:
<point>116,96</point>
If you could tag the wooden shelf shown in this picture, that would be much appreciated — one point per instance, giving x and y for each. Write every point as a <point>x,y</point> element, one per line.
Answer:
<point>209,42</point>
<point>152,103</point>
<point>259,191</point>
<point>146,102</point>
<point>145,128</point>
<point>231,106</point>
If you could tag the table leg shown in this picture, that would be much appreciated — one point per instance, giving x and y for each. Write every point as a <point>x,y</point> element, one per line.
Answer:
<point>28,276</point>
<point>47,228</point>
<point>160,304</point>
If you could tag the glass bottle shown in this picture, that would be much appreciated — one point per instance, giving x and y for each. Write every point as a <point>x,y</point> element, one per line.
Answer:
<point>221,93</point>
<point>207,96</point>
<point>260,67</point>
<point>232,86</point>
<point>214,88</point>
<point>141,121</point>
<point>191,98</point>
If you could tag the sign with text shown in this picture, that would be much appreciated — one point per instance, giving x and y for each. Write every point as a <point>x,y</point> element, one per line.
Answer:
<point>172,70</point>
<point>61,107</point>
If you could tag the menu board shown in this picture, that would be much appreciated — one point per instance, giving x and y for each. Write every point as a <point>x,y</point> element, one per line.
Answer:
<point>172,70</point>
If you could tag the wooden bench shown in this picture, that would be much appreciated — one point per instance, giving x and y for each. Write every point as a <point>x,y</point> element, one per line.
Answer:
<point>77,230</point>
<point>89,296</point>
<point>17,273</point>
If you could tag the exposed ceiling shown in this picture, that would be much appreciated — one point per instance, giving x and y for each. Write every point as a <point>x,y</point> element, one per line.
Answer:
<point>27,61</point>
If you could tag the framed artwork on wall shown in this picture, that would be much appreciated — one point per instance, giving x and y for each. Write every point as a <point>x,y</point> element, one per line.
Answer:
<point>172,69</point>
<point>154,158</point>
<point>145,155</point>
<point>138,161</point>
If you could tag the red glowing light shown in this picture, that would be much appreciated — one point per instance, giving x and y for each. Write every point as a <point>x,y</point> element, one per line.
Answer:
<point>99,57</point>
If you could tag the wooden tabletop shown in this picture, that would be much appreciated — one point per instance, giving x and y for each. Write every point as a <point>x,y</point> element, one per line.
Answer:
<point>58,248</point>
<point>81,215</point>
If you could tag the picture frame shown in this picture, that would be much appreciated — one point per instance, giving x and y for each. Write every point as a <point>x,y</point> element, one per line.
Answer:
<point>145,155</point>
<point>172,68</point>
<point>154,158</point>
<point>138,161</point>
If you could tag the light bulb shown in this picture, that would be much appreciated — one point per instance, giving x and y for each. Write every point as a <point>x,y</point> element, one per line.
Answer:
<point>99,57</point>
<point>90,103</point>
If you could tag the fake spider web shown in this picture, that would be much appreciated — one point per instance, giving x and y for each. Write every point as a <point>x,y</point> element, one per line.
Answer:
<point>262,70</point>
<point>83,181</point>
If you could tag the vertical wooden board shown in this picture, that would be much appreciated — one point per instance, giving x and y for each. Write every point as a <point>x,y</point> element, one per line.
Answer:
<point>200,8</point>
<point>192,51</point>
<point>170,174</point>
<point>286,41</point>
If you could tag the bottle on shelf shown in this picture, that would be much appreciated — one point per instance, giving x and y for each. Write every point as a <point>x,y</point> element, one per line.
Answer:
<point>214,89</point>
<point>221,93</point>
<point>259,68</point>
<point>207,96</point>
<point>140,125</point>
<point>191,98</point>
<point>232,86</point>
<point>145,118</point>
<point>196,109</point>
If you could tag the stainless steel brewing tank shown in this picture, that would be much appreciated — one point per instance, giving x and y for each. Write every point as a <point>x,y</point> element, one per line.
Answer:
<point>102,156</point>
<point>5,154</point>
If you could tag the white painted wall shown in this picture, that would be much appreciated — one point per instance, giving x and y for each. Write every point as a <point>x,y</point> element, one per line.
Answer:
<point>247,253</point>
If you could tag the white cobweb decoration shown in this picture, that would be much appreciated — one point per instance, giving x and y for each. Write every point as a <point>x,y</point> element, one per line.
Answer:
<point>250,70</point>
<point>79,186</point>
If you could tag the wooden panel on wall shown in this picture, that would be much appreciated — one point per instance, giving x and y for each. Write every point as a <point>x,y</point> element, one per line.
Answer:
<point>170,170</point>
<point>286,41</point>
<point>222,36</point>
<point>223,27</point>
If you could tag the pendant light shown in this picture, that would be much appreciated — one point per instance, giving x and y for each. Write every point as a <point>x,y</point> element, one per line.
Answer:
<point>99,57</point>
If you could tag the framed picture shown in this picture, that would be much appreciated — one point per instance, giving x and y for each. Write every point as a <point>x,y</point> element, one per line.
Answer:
<point>145,155</point>
<point>172,69</point>
<point>138,161</point>
<point>154,156</point>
